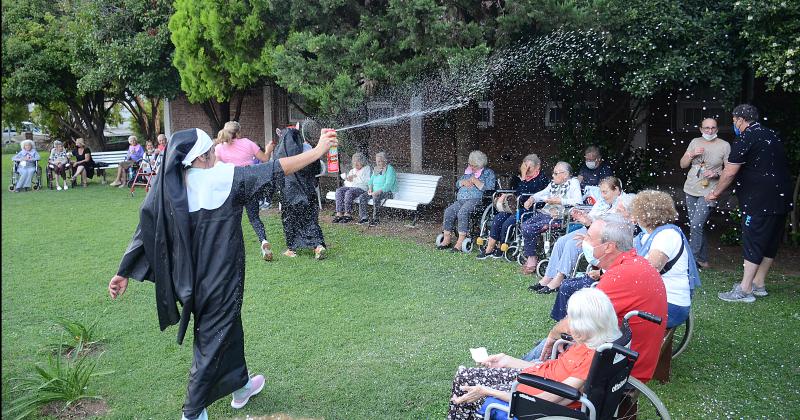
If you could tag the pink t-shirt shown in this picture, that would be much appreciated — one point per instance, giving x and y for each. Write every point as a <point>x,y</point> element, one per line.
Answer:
<point>240,153</point>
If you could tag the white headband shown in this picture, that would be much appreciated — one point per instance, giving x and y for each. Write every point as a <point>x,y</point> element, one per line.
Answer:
<point>201,146</point>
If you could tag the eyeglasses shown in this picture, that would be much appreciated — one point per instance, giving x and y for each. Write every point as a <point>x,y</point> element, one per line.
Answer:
<point>558,172</point>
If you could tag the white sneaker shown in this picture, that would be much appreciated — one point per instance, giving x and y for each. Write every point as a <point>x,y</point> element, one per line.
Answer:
<point>58,187</point>
<point>66,187</point>
<point>253,387</point>
<point>266,251</point>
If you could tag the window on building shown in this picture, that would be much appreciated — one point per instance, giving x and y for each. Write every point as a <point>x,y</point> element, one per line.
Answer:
<point>485,114</point>
<point>689,115</point>
<point>295,114</point>
<point>553,114</point>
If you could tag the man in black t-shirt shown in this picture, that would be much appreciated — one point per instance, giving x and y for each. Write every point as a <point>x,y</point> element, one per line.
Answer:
<point>763,187</point>
<point>594,168</point>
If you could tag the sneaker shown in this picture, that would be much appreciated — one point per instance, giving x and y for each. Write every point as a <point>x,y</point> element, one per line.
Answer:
<point>203,416</point>
<point>66,187</point>
<point>266,251</point>
<point>319,253</point>
<point>482,255</point>
<point>737,295</point>
<point>363,221</point>
<point>115,184</point>
<point>336,219</point>
<point>289,253</point>
<point>253,387</point>
<point>374,222</point>
<point>759,291</point>
<point>345,219</point>
<point>497,254</point>
<point>58,187</point>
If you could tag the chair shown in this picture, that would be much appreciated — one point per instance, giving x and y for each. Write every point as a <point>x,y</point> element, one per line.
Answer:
<point>36,182</point>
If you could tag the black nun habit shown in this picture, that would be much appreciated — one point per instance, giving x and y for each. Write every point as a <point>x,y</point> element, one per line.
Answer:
<point>300,214</point>
<point>189,243</point>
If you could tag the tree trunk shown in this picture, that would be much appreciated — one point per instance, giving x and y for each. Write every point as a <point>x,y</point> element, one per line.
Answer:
<point>88,118</point>
<point>218,113</point>
<point>146,113</point>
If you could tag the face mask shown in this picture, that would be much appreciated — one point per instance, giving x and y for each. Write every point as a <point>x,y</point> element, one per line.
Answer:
<point>591,164</point>
<point>588,253</point>
<point>709,137</point>
<point>736,130</point>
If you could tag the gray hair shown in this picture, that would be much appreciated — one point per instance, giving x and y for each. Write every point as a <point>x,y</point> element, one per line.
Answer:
<point>626,199</point>
<point>57,143</point>
<point>592,318</point>
<point>478,158</point>
<point>616,230</point>
<point>747,112</point>
<point>593,150</point>
<point>381,155</point>
<point>360,158</point>
<point>24,142</point>
<point>133,138</point>
<point>565,166</point>
<point>533,159</point>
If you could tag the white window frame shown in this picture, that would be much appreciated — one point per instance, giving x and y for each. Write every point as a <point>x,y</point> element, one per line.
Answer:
<point>550,106</point>
<point>486,122</point>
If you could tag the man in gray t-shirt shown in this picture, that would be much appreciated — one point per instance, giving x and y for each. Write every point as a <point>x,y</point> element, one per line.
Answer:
<point>705,157</point>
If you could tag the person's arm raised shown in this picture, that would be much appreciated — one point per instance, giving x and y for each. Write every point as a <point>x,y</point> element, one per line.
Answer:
<point>293,164</point>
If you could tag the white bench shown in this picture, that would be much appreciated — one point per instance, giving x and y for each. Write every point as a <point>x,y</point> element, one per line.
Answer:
<point>111,158</point>
<point>413,190</point>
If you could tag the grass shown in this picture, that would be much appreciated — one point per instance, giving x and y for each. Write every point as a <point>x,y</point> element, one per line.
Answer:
<point>375,331</point>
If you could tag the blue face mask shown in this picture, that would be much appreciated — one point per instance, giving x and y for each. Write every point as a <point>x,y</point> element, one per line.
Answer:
<point>588,253</point>
<point>736,130</point>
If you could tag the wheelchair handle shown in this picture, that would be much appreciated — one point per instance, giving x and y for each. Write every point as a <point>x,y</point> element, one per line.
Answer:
<point>644,315</point>
<point>619,349</point>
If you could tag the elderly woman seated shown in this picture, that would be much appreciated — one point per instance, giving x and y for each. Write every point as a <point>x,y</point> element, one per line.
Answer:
<point>134,155</point>
<point>477,178</point>
<point>564,190</point>
<point>58,162</point>
<point>356,183</point>
<point>592,322</point>
<point>382,186</point>
<point>529,181</point>
<point>27,160</point>
<point>567,248</point>
<point>667,249</point>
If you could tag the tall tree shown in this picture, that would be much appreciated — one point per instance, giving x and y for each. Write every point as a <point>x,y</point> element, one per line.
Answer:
<point>222,49</point>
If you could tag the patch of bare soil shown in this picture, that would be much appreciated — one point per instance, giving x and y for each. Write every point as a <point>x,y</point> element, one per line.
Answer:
<point>82,409</point>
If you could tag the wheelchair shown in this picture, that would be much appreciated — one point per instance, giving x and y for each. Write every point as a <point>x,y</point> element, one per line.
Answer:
<point>609,391</point>
<point>36,181</point>
<point>50,175</point>
<point>146,171</point>
<point>480,221</point>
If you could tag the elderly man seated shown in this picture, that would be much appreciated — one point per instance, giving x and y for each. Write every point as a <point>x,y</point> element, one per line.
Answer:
<point>594,168</point>
<point>630,282</point>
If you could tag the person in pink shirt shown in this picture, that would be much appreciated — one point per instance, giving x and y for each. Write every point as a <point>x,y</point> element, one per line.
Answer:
<point>239,151</point>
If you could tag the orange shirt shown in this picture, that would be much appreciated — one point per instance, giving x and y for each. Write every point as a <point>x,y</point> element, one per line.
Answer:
<point>575,363</point>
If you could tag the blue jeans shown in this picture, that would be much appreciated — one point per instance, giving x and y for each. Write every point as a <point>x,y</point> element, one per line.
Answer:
<point>531,229</point>
<point>568,287</point>
<point>500,225</point>
<point>565,254</point>
<point>459,211</point>
<point>677,315</point>
<point>698,209</point>
<point>535,353</point>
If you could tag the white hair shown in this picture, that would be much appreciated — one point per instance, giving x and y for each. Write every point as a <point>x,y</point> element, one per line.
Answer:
<point>592,319</point>
<point>616,230</point>
<point>381,155</point>
<point>360,158</point>
<point>566,167</point>
<point>24,142</point>
<point>478,158</point>
<point>626,199</point>
<point>533,159</point>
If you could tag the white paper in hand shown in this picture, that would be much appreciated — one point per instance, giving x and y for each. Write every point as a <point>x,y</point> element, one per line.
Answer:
<point>479,354</point>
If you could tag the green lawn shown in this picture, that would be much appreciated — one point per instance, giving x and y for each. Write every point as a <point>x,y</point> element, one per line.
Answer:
<point>375,331</point>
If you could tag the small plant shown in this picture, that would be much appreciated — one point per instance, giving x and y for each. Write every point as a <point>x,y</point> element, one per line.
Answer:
<point>733,235</point>
<point>80,338</point>
<point>62,379</point>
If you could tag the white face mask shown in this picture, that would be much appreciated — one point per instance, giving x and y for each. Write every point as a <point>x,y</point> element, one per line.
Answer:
<point>709,137</point>
<point>591,164</point>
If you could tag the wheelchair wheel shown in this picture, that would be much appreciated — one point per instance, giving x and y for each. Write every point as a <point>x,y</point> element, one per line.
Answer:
<point>511,253</point>
<point>640,402</point>
<point>35,187</point>
<point>521,258</point>
<point>439,239</point>
<point>11,187</point>
<point>541,267</point>
<point>466,246</point>
<point>683,333</point>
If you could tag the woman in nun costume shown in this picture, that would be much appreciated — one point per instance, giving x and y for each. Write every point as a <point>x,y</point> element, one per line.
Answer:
<point>189,243</point>
<point>299,212</point>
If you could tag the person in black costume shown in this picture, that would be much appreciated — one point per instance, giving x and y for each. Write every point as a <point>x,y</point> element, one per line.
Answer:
<point>189,243</point>
<point>300,214</point>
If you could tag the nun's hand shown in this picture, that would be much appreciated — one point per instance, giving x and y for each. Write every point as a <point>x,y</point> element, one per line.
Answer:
<point>117,286</point>
<point>327,139</point>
